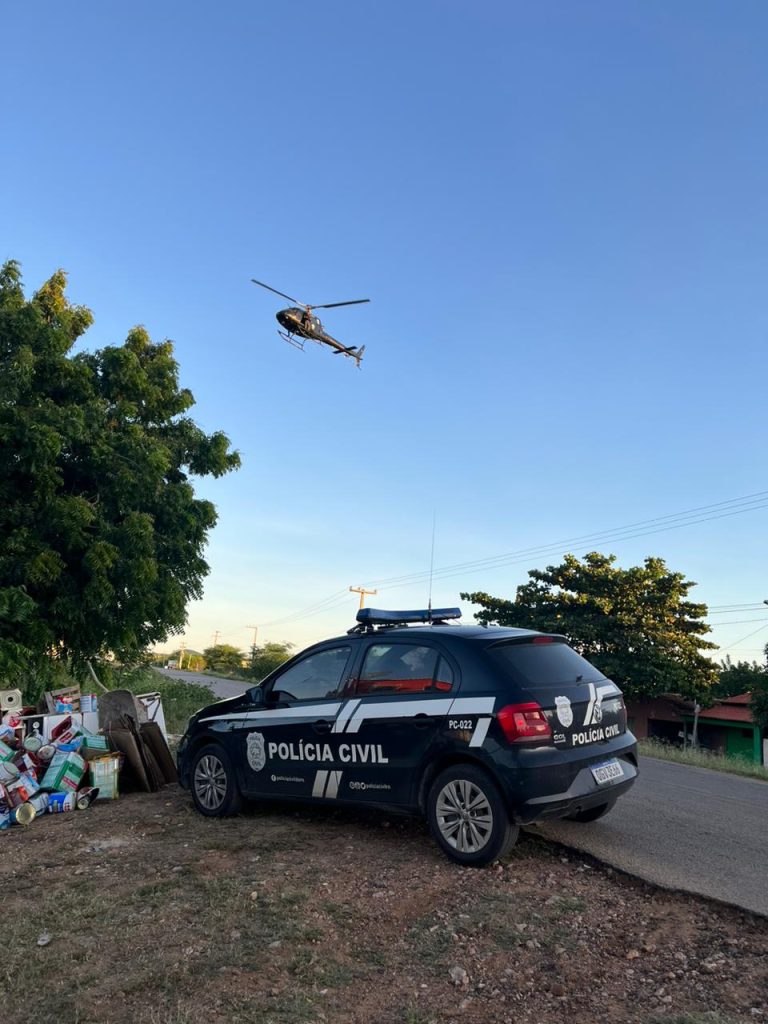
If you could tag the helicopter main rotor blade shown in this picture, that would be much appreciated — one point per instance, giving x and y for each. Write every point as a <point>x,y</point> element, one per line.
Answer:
<point>330,305</point>
<point>271,289</point>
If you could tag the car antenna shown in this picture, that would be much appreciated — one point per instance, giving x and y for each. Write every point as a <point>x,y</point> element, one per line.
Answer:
<point>431,566</point>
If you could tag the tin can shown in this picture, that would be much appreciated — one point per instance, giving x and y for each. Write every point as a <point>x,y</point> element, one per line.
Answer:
<point>59,802</point>
<point>24,814</point>
<point>45,753</point>
<point>86,796</point>
<point>5,817</point>
<point>8,772</point>
<point>17,793</point>
<point>40,802</point>
<point>33,742</point>
<point>89,702</point>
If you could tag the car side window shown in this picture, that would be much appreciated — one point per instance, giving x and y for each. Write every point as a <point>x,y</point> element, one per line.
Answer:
<point>443,676</point>
<point>398,668</point>
<point>313,678</point>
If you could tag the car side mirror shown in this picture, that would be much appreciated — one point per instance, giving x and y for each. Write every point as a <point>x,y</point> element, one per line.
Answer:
<point>256,696</point>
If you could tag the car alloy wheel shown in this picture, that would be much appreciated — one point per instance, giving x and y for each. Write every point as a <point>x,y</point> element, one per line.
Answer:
<point>464,816</point>
<point>210,782</point>
<point>468,816</point>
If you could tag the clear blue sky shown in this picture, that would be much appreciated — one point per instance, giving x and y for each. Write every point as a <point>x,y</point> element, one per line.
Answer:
<point>559,211</point>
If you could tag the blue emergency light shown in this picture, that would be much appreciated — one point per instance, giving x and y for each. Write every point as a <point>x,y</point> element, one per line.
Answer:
<point>378,617</point>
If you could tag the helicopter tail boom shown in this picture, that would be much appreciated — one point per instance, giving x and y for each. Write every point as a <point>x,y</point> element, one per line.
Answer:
<point>349,350</point>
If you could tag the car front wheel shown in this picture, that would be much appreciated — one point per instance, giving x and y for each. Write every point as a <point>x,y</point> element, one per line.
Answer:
<point>214,788</point>
<point>468,818</point>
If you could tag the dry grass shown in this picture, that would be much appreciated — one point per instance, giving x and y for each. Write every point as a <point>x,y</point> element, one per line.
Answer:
<point>159,916</point>
<point>699,758</point>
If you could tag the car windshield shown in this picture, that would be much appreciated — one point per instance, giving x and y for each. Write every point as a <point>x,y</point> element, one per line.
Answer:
<point>544,664</point>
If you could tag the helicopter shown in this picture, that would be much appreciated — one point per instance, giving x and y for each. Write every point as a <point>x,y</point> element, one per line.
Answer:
<point>300,324</point>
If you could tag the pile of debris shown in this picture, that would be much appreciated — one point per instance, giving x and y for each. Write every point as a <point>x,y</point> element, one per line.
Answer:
<point>81,750</point>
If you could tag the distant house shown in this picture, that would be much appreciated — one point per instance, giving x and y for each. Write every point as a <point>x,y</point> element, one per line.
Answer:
<point>728,728</point>
<point>661,718</point>
<point>725,728</point>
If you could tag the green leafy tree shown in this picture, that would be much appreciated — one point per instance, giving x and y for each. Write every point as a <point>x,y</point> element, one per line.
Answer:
<point>17,643</point>
<point>759,707</point>
<point>223,658</point>
<point>266,659</point>
<point>759,702</point>
<point>99,523</point>
<point>739,677</point>
<point>636,625</point>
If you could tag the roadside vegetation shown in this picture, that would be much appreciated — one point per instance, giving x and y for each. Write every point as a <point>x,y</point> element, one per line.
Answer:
<point>699,758</point>
<point>180,699</point>
<point>229,662</point>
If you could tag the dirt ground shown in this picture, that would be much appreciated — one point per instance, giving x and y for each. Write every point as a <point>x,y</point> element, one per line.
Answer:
<point>142,911</point>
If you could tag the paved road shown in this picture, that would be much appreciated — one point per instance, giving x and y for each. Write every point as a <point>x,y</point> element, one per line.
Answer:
<point>684,828</point>
<point>221,687</point>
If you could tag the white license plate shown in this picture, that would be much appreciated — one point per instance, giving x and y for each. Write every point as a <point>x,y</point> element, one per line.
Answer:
<point>607,771</point>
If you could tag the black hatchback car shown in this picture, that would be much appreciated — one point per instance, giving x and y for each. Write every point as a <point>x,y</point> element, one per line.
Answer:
<point>481,729</point>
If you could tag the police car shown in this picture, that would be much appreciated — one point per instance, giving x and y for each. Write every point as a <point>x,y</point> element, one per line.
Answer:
<point>481,729</point>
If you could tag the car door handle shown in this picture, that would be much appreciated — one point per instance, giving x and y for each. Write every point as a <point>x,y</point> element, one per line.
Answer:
<point>322,725</point>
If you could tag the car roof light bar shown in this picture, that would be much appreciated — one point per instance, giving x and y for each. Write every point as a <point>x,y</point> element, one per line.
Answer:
<point>379,617</point>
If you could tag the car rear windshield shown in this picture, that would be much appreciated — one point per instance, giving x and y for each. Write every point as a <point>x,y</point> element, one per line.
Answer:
<point>544,664</point>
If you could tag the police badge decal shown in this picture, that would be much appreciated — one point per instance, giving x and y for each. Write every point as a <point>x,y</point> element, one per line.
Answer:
<point>564,711</point>
<point>257,757</point>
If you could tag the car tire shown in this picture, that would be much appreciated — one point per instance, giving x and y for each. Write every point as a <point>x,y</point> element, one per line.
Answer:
<point>468,818</point>
<point>592,813</point>
<point>213,784</point>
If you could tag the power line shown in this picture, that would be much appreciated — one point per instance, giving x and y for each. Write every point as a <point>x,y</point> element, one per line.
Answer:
<point>739,622</point>
<point>749,503</point>
<point>736,611</point>
<point>736,607</point>
<point>737,642</point>
<point>553,551</point>
<point>671,521</point>
<point>311,610</point>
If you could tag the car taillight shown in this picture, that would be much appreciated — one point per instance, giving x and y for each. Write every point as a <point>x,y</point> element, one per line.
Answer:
<point>522,722</point>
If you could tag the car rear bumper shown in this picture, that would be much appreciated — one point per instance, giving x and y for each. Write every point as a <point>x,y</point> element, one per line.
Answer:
<point>547,783</point>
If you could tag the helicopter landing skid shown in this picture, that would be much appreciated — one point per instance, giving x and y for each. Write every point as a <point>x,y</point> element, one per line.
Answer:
<point>292,340</point>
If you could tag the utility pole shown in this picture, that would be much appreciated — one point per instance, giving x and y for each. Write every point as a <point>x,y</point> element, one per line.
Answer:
<point>362,592</point>
<point>182,646</point>
<point>216,638</point>
<point>695,733</point>
<point>255,633</point>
